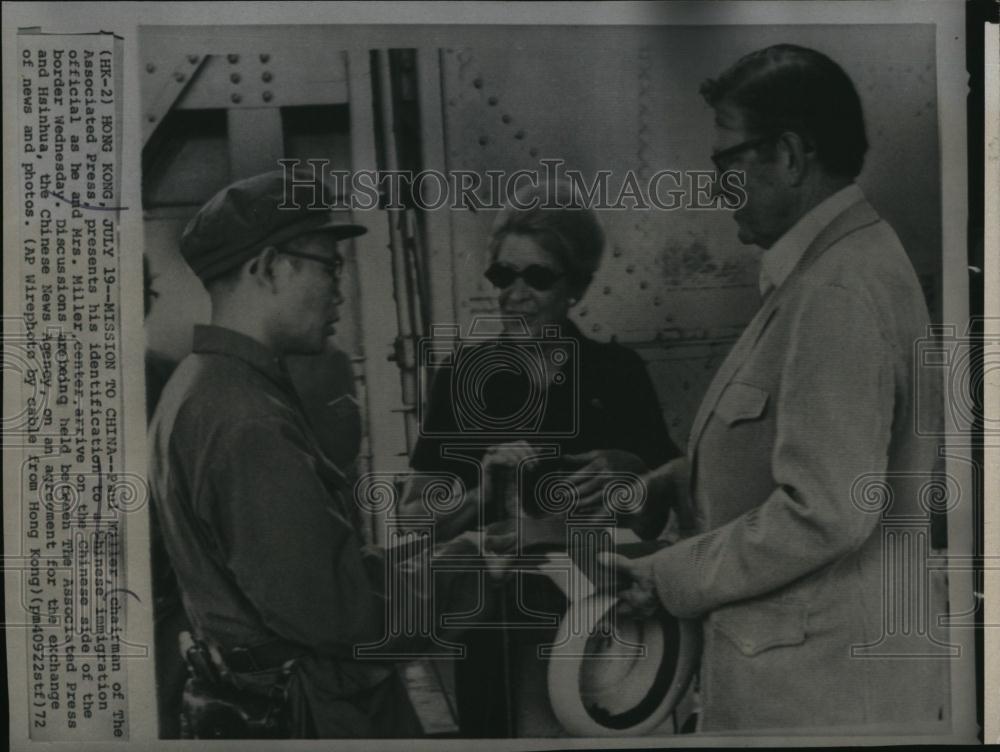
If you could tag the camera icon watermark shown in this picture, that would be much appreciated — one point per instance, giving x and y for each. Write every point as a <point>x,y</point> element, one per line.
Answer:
<point>951,372</point>
<point>500,379</point>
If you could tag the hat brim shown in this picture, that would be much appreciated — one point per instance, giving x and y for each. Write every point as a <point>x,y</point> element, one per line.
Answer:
<point>640,701</point>
<point>340,230</point>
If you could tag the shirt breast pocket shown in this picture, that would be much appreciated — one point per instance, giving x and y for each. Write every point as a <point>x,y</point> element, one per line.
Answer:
<point>755,627</point>
<point>741,402</point>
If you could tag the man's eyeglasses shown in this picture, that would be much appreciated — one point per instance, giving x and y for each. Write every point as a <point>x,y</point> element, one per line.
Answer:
<point>334,267</point>
<point>535,276</point>
<point>724,159</point>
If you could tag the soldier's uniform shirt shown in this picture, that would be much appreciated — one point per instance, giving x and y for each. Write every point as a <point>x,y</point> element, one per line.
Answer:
<point>263,534</point>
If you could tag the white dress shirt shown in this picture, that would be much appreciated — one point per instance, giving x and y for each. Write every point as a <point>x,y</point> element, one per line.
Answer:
<point>779,260</point>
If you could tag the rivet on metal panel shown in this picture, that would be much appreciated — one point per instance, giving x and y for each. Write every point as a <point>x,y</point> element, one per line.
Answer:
<point>267,96</point>
<point>519,135</point>
<point>595,328</point>
<point>236,98</point>
<point>506,118</point>
<point>234,77</point>
<point>192,59</point>
<point>643,284</point>
<point>477,82</point>
<point>616,252</point>
<point>179,77</point>
<point>607,290</point>
<point>657,301</point>
<point>533,151</point>
<point>265,76</point>
<point>630,268</point>
<point>150,68</point>
<point>233,58</point>
<point>264,57</point>
<point>583,312</point>
<point>492,101</point>
<point>151,118</point>
<point>483,140</point>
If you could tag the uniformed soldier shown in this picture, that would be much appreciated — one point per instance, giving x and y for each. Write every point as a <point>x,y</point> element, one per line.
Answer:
<point>260,526</point>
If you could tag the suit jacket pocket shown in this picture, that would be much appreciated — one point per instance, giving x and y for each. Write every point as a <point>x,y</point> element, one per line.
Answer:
<point>757,626</point>
<point>741,401</point>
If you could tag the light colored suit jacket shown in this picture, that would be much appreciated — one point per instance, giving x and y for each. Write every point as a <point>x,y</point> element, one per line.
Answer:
<point>810,483</point>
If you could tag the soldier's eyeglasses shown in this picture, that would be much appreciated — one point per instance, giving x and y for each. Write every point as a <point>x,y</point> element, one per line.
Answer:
<point>724,159</point>
<point>535,276</point>
<point>334,267</point>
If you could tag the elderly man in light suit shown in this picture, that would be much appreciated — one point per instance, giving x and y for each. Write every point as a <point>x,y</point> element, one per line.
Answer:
<point>817,398</point>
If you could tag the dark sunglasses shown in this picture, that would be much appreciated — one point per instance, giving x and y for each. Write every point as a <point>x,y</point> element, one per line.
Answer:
<point>535,276</point>
<point>724,159</point>
<point>334,267</point>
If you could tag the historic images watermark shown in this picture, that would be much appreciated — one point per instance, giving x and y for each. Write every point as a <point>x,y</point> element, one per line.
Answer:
<point>492,190</point>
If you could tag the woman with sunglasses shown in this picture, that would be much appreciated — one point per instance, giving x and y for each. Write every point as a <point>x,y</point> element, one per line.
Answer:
<point>599,411</point>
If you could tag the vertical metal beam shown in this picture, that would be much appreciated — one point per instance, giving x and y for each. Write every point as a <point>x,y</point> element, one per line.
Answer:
<point>437,223</point>
<point>386,437</point>
<point>403,292</point>
<point>256,141</point>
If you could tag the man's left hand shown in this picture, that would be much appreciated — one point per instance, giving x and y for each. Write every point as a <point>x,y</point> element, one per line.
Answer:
<point>592,471</point>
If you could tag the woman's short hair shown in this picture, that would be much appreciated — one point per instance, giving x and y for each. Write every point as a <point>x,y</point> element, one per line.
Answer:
<point>790,88</point>
<point>555,215</point>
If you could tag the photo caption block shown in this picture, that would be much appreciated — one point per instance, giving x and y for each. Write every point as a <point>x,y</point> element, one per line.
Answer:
<point>66,345</point>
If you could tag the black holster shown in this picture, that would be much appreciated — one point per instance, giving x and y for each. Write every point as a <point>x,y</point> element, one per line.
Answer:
<point>215,708</point>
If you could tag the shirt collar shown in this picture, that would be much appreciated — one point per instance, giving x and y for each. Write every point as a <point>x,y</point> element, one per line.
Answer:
<point>222,341</point>
<point>779,261</point>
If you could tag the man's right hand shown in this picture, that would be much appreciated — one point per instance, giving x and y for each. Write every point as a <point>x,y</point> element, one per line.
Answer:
<point>639,595</point>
